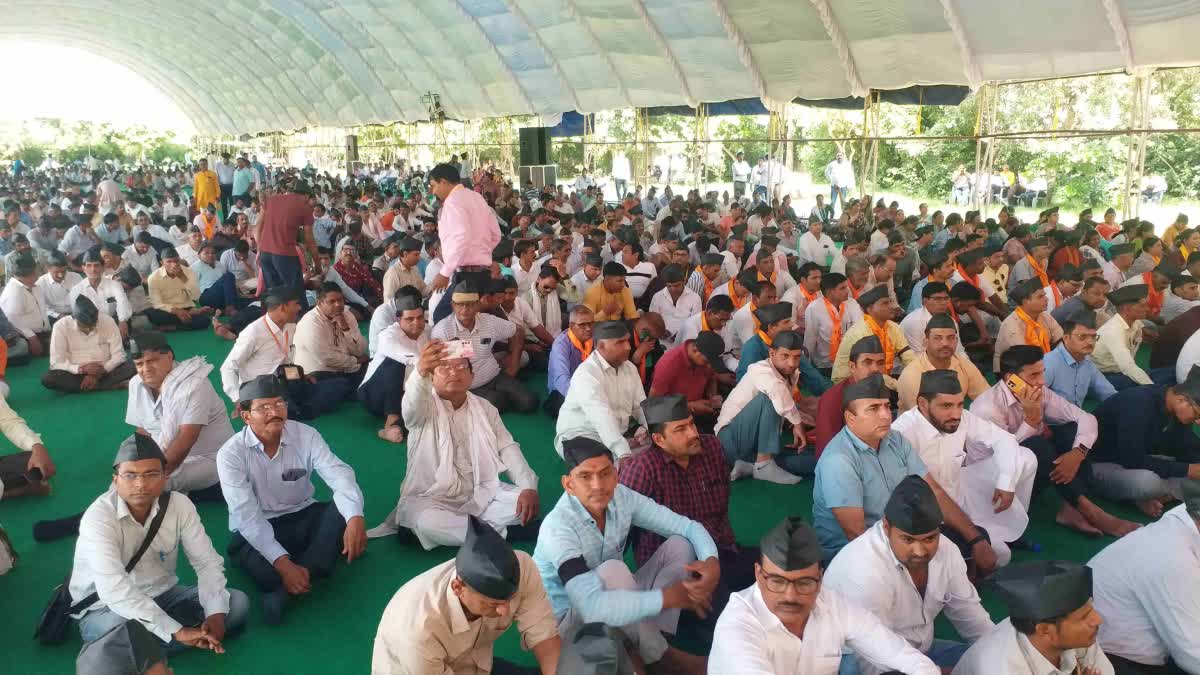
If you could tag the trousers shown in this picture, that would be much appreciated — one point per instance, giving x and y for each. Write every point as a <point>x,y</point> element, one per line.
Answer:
<point>442,527</point>
<point>160,317</point>
<point>196,473</point>
<point>181,603</point>
<point>381,395</point>
<point>221,294</point>
<point>1062,440</point>
<point>663,568</point>
<point>67,382</point>
<point>507,394</point>
<point>756,431</point>
<point>283,270</point>
<point>312,537</point>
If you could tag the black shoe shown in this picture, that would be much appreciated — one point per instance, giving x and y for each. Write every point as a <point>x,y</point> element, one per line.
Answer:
<point>407,537</point>
<point>49,530</point>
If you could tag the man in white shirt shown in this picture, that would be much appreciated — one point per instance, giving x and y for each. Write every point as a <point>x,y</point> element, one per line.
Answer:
<point>267,344</point>
<point>451,427</point>
<point>397,348</point>
<point>1145,587</point>
<point>674,302</point>
<point>840,174</point>
<point>903,552</point>
<point>86,352</point>
<point>1051,626</point>
<point>329,346</point>
<point>25,306</point>
<point>827,320</point>
<point>787,622</point>
<point>717,318</point>
<point>606,391</point>
<point>225,169</point>
<point>978,464</point>
<point>114,528</point>
<point>587,277</point>
<point>107,294</point>
<point>283,537</point>
<point>141,255</point>
<point>741,175</point>
<point>175,404</point>
<point>1118,340</point>
<point>56,285</point>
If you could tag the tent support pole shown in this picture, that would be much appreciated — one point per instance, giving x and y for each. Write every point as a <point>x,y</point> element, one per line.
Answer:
<point>1135,161</point>
<point>641,129</point>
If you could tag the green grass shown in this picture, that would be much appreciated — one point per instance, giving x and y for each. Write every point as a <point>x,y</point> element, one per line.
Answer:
<point>331,630</point>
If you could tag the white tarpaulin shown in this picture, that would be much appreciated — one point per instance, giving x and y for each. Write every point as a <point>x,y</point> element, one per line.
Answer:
<point>237,66</point>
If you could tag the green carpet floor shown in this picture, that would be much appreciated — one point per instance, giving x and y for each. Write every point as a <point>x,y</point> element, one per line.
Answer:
<point>332,629</point>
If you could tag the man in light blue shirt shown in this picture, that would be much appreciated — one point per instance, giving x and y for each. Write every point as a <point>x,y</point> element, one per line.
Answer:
<point>110,230</point>
<point>580,551</point>
<point>323,227</point>
<point>243,178</point>
<point>1069,371</point>
<point>864,463</point>
<point>218,287</point>
<point>282,537</point>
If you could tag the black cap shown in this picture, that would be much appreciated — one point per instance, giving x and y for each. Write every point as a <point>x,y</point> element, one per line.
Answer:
<point>712,347</point>
<point>792,545</point>
<point>788,339</point>
<point>610,330</point>
<point>1127,295</point>
<point>56,258</point>
<point>1181,280</point>
<point>128,275</point>
<point>594,259</point>
<point>92,255</point>
<point>1025,289</point>
<point>972,255</point>
<point>127,648</point>
<point>1039,241</point>
<point>934,382</point>
<point>486,562</point>
<point>712,259</point>
<point>614,269</point>
<point>663,409</point>
<point>151,341</point>
<point>1191,496</point>
<point>1044,589</point>
<point>913,507</point>
<point>867,345</point>
<point>872,296</point>
<point>84,311</point>
<point>411,244</point>
<point>168,253</point>
<point>263,386</point>
<point>136,448</point>
<point>25,266</point>
<point>1069,273</point>
<point>871,386</point>
<point>580,449</point>
<point>1120,249</point>
<point>773,313</point>
<point>943,321</point>
<point>895,237</point>
<point>407,301</point>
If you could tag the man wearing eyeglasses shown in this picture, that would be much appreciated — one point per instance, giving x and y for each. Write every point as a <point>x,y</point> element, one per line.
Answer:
<point>568,351</point>
<point>113,529</point>
<point>787,623</point>
<point>283,537</point>
<point>457,449</point>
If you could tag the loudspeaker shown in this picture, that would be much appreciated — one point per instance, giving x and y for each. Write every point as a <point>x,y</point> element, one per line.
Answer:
<point>541,176</point>
<point>535,146</point>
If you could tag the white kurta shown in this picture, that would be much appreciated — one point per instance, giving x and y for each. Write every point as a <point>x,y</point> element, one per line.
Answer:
<point>455,458</point>
<point>750,640</point>
<point>675,312</point>
<point>970,464</point>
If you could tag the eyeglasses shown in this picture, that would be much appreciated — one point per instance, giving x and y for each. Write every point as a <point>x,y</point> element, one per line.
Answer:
<point>133,477</point>
<point>778,584</point>
<point>264,408</point>
<point>583,324</point>
<point>453,367</point>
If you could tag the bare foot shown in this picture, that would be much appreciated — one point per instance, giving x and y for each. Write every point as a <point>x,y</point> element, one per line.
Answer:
<point>221,330</point>
<point>1068,516</point>
<point>1151,507</point>
<point>1105,521</point>
<point>392,434</point>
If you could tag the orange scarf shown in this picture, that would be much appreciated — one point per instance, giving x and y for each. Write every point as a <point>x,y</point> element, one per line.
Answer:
<point>774,276</point>
<point>954,315</point>
<point>973,280</point>
<point>889,350</point>
<point>835,339</point>
<point>584,348</point>
<point>1038,270</point>
<point>808,297</point>
<point>708,286</point>
<point>763,336</point>
<point>209,225</point>
<point>642,365</point>
<point>737,302</point>
<point>1035,333</point>
<point>1154,297</point>
<point>1058,296</point>
<point>753,309</point>
<point>704,322</point>
<point>1074,256</point>
<point>854,292</point>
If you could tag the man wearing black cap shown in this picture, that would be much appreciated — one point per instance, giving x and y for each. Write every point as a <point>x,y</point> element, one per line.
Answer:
<point>397,348</point>
<point>866,358</point>
<point>112,531</point>
<point>716,318</point>
<point>56,285</point>
<point>24,305</point>
<point>941,350</point>
<point>690,369</point>
<point>487,587</point>
<point>611,299</point>
<point>86,353</point>
<point>1120,259</point>
<point>978,464</point>
<point>175,404</point>
<point>769,320</point>
<point>604,399</point>
<point>103,292</point>
<point>450,427</point>
<point>174,294</point>
<point>1032,266</point>
<point>787,622</point>
<point>283,537</point>
<point>404,271</point>
<point>905,550</point>
<point>1145,589</point>
<point>705,278</point>
<point>878,310</point>
<point>1051,628</point>
<point>1029,324</point>
<point>679,459</point>
<point>1184,295</point>
<point>579,555</point>
<point>1118,340</point>
<point>752,417</point>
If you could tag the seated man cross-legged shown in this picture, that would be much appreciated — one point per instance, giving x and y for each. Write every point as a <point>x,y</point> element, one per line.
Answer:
<point>86,353</point>
<point>397,348</point>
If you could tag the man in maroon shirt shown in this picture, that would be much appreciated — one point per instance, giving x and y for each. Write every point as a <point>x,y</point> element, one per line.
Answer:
<point>866,357</point>
<point>283,216</point>
<point>686,472</point>
<point>690,370</point>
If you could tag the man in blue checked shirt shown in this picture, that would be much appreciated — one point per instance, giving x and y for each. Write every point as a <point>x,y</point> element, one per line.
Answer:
<point>580,550</point>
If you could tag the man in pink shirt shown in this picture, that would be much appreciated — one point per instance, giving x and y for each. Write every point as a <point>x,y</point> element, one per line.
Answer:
<point>468,231</point>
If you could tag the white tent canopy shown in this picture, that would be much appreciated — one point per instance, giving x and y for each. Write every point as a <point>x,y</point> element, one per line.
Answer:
<point>239,66</point>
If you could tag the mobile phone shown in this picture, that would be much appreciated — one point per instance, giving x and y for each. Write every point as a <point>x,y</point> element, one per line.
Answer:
<point>1016,384</point>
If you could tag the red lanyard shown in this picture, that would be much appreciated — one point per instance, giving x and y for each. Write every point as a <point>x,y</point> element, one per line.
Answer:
<point>282,347</point>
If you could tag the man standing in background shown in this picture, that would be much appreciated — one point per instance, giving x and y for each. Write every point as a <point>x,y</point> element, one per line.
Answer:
<point>468,231</point>
<point>283,216</point>
<point>225,170</point>
<point>206,190</point>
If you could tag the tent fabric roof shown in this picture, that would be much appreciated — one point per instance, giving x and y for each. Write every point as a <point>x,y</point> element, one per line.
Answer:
<point>244,66</point>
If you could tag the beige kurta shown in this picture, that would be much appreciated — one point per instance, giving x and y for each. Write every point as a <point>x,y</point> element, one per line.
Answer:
<point>909,382</point>
<point>322,347</point>
<point>1012,332</point>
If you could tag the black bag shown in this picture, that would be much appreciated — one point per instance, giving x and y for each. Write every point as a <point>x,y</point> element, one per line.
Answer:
<point>52,627</point>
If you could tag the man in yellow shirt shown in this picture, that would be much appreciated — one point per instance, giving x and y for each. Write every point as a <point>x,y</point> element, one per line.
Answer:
<point>611,299</point>
<point>206,190</point>
<point>878,308</point>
